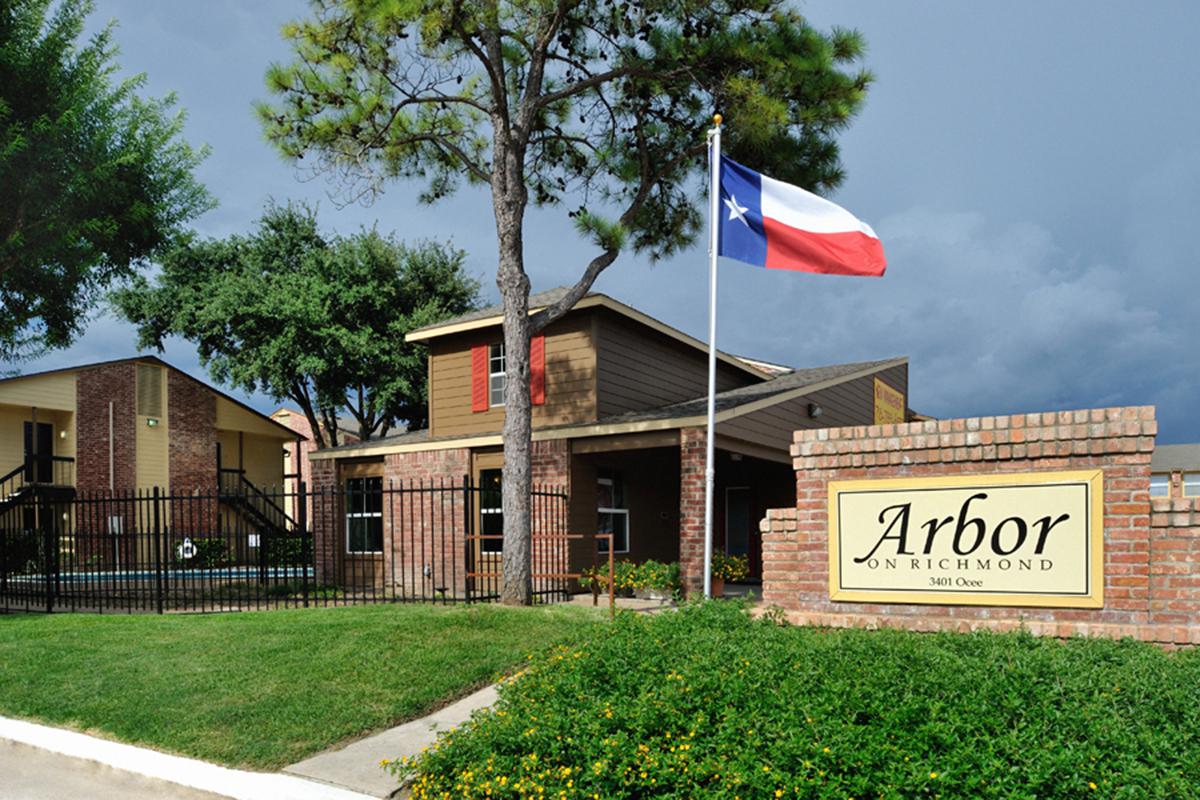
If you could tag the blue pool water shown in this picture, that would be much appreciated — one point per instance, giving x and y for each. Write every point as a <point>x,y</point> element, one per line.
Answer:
<point>189,575</point>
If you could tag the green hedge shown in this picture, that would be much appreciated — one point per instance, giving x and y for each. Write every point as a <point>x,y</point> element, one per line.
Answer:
<point>706,703</point>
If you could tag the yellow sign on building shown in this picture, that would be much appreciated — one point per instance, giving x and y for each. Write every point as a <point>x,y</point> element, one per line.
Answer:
<point>889,404</point>
<point>1031,539</point>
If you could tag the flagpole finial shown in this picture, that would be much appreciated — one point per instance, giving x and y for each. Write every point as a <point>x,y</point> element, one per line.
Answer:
<point>717,120</point>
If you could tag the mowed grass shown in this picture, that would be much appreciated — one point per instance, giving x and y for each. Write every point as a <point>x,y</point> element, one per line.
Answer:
<point>264,689</point>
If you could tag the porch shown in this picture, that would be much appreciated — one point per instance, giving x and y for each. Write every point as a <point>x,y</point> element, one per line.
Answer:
<point>648,491</point>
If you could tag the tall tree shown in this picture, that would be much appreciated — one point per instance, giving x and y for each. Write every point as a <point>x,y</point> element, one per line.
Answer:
<point>95,179</point>
<point>597,103</point>
<point>319,320</point>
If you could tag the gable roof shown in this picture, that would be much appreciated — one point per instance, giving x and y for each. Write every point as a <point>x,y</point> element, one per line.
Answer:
<point>155,360</point>
<point>494,315</point>
<point>729,405</point>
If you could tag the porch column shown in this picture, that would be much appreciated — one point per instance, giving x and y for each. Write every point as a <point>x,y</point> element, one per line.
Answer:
<point>324,522</point>
<point>691,509</point>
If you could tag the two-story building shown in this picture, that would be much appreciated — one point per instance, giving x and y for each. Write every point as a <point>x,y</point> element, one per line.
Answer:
<point>119,428</point>
<point>619,420</point>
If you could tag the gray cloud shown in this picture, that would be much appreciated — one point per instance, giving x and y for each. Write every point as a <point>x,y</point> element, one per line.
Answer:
<point>1032,168</point>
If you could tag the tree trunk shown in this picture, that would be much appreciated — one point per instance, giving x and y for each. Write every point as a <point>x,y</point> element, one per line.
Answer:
<point>517,584</point>
<point>509,198</point>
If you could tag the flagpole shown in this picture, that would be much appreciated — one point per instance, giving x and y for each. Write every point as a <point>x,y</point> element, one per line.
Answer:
<point>714,205</point>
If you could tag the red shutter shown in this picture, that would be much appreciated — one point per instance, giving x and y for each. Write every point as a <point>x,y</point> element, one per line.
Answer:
<point>479,378</point>
<point>537,370</point>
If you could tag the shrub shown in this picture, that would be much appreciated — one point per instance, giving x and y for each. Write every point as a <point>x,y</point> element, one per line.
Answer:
<point>629,577</point>
<point>706,702</point>
<point>287,551</point>
<point>206,554</point>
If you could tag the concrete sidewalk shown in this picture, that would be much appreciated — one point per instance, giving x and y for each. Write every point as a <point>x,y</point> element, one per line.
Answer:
<point>51,762</point>
<point>30,773</point>
<point>356,766</point>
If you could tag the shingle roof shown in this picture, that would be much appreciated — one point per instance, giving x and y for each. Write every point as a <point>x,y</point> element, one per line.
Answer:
<point>399,437</point>
<point>536,300</point>
<point>1169,457</point>
<point>733,398</point>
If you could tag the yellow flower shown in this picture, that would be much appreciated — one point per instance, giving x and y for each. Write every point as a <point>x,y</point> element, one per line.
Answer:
<point>1092,786</point>
<point>933,776</point>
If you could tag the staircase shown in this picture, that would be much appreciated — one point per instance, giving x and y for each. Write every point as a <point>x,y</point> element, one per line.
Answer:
<point>255,505</point>
<point>39,476</point>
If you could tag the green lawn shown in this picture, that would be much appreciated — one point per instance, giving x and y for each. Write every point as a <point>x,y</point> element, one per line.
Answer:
<point>263,689</point>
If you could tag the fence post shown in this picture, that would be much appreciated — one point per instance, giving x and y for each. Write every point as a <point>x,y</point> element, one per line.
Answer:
<point>49,545</point>
<point>612,590</point>
<point>468,544</point>
<point>158,554</point>
<point>308,545</point>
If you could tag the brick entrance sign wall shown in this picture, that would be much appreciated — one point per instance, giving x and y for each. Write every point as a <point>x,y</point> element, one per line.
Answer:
<point>1151,547</point>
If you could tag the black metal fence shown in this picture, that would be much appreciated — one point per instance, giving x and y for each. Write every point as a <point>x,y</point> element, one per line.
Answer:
<point>240,547</point>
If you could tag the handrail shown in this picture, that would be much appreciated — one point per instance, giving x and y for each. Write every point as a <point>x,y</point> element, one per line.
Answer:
<point>250,494</point>
<point>27,474</point>
<point>259,494</point>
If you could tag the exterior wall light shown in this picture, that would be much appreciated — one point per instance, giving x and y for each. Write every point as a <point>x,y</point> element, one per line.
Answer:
<point>815,410</point>
<point>151,422</point>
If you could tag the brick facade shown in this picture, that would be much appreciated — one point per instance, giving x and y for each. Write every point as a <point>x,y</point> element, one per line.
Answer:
<point>425,544</point>
<point>95,388</point>
<point>692,459</point>
<point>192,446</point>
<point>1151,556</point>
<point>326,525</point>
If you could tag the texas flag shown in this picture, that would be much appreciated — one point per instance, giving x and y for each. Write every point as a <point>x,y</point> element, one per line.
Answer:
<point>778,226</point>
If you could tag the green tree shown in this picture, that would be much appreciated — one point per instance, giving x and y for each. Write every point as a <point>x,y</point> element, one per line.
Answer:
<point>319,320</point>
<point>597,104</point>
<point>95,179</point>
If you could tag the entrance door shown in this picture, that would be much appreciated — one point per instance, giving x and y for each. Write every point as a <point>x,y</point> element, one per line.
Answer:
<point>486,551</point>
<point>40,470</point>
<point>739,531</point>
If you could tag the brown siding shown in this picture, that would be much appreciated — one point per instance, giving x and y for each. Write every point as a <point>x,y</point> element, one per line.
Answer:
<point>639,368</point>
<point>850,403</point>
<point>651,480</point>
<point>570,380</point>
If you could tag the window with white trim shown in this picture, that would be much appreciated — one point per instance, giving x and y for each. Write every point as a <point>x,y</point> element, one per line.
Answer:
<point>491,511</point>
<point>1191,484</point>
<point>613,514</point>
<point>496,373</point>
<point>364,515</point>
<point>1160,484</point>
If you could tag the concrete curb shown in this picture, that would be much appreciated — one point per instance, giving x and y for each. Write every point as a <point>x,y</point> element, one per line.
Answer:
<point>189,772</point>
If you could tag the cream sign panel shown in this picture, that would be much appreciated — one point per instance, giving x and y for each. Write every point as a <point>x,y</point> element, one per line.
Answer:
<point>1032,539</point>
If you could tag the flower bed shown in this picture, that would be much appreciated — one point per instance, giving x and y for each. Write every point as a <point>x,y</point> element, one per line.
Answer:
<point>708,703</point>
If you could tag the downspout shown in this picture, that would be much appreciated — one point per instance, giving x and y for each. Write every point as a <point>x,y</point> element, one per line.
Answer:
<point>111,478</point>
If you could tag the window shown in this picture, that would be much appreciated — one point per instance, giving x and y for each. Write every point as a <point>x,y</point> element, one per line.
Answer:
<point>496,372</point>
<point>491,511</point>
<point>1191,484</point>
<point>364,515</point>
<point>1160,485</point>
<point>613,514</point>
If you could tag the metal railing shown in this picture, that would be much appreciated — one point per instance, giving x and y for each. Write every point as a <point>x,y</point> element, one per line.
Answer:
<point>413,541</point>
<point>38,470</point>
